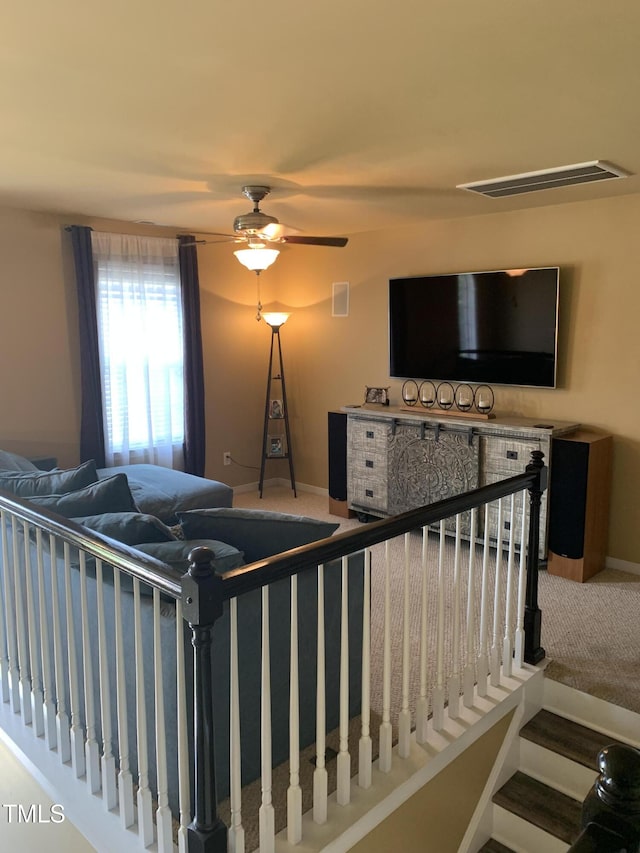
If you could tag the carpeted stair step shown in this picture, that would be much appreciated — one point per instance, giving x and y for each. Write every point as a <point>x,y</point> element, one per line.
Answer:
<point>571,740</point>
<point>493,846</point>
<point>541,805</point>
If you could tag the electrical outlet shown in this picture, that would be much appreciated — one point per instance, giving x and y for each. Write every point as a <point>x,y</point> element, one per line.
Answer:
<point>226,457</point>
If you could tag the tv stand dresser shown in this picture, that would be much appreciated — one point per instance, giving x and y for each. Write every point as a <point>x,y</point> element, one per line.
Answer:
<point>401,458</point>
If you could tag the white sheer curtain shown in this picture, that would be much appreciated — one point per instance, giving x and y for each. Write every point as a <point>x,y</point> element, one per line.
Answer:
<point>141,348</point>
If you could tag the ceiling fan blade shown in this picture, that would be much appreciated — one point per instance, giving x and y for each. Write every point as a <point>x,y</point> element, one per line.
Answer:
<point>339,242</point>
<point>229,238</point>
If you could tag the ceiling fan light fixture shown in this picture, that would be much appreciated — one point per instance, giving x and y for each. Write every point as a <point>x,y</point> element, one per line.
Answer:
<point>256,260</point>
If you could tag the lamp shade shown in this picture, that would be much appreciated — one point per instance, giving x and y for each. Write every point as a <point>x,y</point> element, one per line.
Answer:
<point>276,318</point>
<point>256,259</point>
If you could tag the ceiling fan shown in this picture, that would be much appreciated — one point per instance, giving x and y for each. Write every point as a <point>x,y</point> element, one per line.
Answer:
<point>259,230</point>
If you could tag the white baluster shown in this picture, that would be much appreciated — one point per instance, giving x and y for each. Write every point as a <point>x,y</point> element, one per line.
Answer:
<point>163,812</point>
<point>62,717</point>
<point>77,736</point>
<point>266,817</point>
<point>4,623</point>
<point>494,655</point>
<point>143,797</point>
<point>236,830</point>
<point>12,642</point>
<point>522,581</point>
<point>483,639</point>
<point>343,766</point>
<point>109,786</point>
<point>92,751</point>
<point>21,629</point>
<point>422,706</point>
<point>183,741</point>
<point>507,643</point>
<point>37,696</point>
<point>404,717</point>
<point>385,742</point>
<point>437,701</point>
<point>468,677</point>
<point>45,650</point>
<point>125,779</point>
<point>365,746</point>
<point>320,782</point>
<point>453,708</point>
<point>294,793</point>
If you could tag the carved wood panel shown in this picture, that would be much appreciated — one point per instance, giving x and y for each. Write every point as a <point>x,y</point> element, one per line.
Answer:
<point>425,466</point>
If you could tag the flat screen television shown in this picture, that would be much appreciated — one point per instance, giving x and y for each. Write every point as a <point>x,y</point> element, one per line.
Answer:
<point>498,327</point>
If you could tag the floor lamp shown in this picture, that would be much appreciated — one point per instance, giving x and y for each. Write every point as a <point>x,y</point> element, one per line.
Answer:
<point>276,409</point>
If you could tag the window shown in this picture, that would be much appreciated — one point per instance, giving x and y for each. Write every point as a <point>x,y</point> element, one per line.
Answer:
<point>140,332</point>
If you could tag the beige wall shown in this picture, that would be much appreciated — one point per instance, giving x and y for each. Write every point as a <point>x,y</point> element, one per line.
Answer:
<point>596,247</point>
<point>329,360</point>
<point>435,819</point>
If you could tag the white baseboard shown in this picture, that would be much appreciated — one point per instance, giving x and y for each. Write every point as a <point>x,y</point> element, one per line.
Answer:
<point>622,565</point>
<point>280,481</point>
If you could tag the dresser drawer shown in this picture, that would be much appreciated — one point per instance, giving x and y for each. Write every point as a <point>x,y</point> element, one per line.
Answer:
<point>366,465</point>
<point>507,522</point>
<point>368,493</point>
<point>506,456</point>
<point>367,436</point>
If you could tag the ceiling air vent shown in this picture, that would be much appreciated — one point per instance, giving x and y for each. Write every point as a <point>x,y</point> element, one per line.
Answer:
<point>561,176</point>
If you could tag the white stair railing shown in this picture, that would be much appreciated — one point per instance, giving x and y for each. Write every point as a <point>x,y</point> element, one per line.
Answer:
<point>449,608</point>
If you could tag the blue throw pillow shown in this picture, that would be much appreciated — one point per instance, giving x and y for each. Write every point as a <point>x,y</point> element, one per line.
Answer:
<point>259,533</point>
<point>26,484</point>
<point>176,554</point>
<point>13,462</point>
<point>128,527</point>
<point>110,495</point>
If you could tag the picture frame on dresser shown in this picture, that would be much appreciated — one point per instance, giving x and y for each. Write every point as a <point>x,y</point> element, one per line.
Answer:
<point>377,395</point>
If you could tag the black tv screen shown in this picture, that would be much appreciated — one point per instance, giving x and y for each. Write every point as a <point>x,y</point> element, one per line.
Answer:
<point>496,327</point>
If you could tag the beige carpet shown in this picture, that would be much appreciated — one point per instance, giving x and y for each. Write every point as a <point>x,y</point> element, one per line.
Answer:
<point>590,631</point>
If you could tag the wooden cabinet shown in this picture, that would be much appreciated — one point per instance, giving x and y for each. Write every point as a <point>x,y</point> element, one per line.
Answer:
<point>398,460</point>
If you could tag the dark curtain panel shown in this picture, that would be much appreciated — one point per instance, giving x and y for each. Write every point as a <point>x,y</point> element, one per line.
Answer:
<point>92,424</point>
<point>194,431</point>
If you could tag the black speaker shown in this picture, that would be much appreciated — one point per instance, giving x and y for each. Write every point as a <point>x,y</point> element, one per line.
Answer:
<point>338,456</point>
<point>568,492</point>
<point>580,478</point>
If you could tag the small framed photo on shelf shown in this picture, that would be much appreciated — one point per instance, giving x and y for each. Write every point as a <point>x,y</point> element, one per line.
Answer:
<point>276,409</point>
<point>376,395</point>
<point>276,447</point>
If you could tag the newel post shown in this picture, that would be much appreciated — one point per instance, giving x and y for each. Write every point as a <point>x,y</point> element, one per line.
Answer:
<point>613,802</point>
<point>533,651</point>
<point>202,603</point>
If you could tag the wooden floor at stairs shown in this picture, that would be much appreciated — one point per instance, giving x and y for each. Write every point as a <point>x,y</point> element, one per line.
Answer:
<point>541,805</point>
<point>535,800</point>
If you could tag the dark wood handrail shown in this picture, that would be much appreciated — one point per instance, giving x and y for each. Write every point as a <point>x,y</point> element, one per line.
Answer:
<point>262,572</point>
<point>144,567</point>
<point>306,557</point>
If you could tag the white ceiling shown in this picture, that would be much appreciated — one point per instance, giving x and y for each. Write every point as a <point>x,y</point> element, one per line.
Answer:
<point>360,114</point>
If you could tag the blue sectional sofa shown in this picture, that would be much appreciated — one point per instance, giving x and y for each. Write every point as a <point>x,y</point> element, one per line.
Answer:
<point>117,506</point>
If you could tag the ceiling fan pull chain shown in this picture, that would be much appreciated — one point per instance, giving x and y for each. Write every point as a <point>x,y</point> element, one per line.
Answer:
<point>259,314</point>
